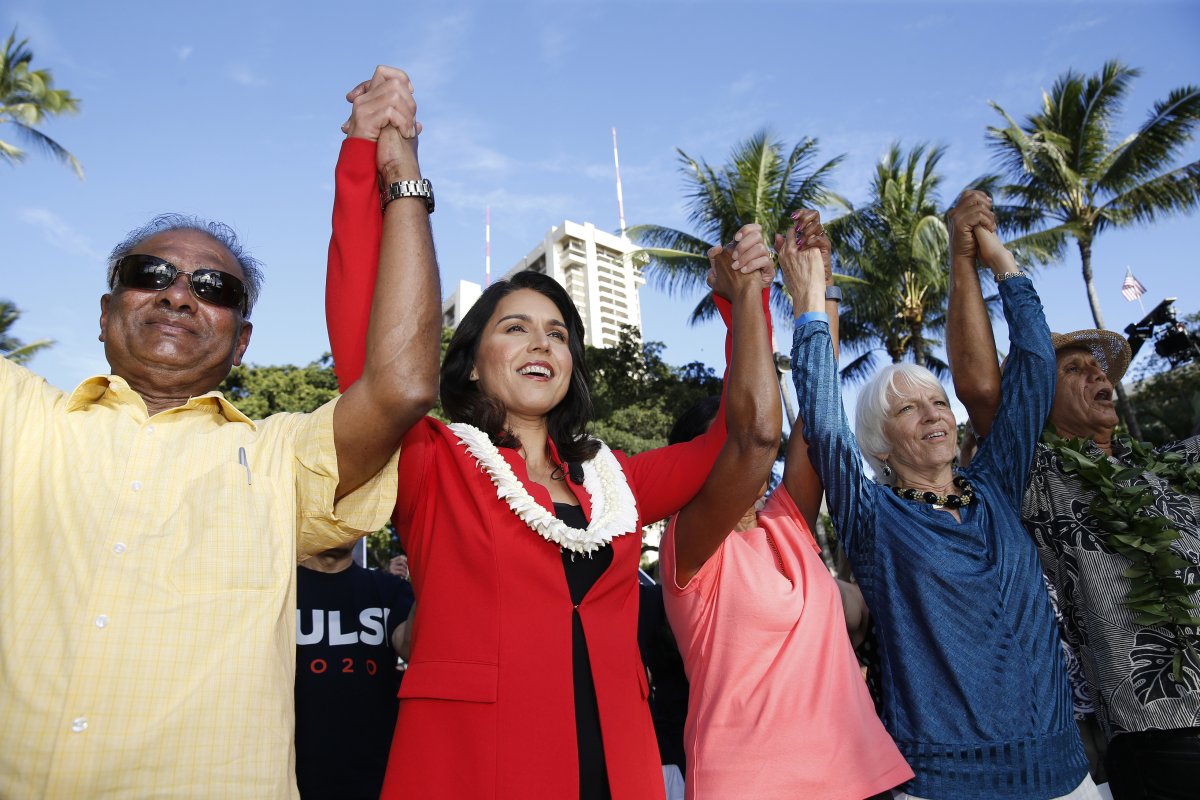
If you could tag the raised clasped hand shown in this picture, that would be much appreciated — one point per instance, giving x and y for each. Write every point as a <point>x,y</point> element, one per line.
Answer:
<point>751,254</point>
<point>746,264</point>
<point>972,210</point>
<point>385,112</point>
<point>993,252</point>
<point>805,258</point>
<point>386,99</point>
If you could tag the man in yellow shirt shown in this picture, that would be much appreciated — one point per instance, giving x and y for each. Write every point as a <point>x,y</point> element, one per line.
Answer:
<point>149,531</point>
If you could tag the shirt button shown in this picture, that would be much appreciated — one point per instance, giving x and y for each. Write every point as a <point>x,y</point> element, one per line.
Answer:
<point>119,548</point>
<point>102,621</point>
<point>149,429</point>
<point>79,724</point>
<point>136,486</point>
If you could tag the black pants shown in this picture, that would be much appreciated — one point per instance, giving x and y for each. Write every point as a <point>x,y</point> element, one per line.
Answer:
<point>1155,765</point>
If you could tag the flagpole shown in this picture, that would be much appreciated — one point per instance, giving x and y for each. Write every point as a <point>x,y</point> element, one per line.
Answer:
<point>620,200</point>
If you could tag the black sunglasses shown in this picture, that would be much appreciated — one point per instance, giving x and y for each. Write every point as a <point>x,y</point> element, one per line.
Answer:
<point>155,274</point>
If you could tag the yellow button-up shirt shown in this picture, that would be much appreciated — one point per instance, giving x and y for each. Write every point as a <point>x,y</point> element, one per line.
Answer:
<point>147,588</point>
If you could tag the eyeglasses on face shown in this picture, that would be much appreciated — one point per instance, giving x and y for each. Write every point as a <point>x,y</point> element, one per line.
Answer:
<point>151,273</point>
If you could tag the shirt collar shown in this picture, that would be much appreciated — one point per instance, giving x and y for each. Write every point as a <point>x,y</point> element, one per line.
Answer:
<point>96,388</point>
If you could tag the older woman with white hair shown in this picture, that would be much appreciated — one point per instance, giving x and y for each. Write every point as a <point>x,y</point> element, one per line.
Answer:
<point>974,686</point>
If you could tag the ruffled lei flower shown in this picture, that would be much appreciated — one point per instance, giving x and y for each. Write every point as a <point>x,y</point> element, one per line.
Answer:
<point>614,510</point>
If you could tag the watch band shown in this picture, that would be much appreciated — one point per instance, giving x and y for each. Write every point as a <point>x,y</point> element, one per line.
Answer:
<point>422,189</point>
<point>833,293</point>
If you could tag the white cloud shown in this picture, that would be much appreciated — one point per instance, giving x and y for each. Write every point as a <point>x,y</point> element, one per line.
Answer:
<point>184,52</point>
<point>244,76</point>
<point>433,64</point>
<point>1083,25</point>
<point>555,43</point>
<point>744,85</point>
<point>460,145</point>
<point>925,23</point>
<point>58,233</point>
<point>516,204</point>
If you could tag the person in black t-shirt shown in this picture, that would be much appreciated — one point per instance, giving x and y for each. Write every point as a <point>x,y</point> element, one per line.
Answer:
<point>350,623</point>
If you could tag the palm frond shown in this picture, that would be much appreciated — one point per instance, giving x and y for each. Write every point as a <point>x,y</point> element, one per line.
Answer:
<point>47,145</point>
<point>936,365</point>
<point>756,184</point>
<point>24,353</point>
<point>1156,143</point>
<point>860,369</point>
<point>27,98</point>
<point>1178,191</point>
<point>1040,247</point>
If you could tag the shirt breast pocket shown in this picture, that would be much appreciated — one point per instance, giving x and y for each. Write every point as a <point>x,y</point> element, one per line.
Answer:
<point>227,537</point>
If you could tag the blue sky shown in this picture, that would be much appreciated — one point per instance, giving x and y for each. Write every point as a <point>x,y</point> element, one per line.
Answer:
<point>232,110</point>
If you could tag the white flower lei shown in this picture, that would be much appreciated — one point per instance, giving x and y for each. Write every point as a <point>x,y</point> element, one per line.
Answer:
<point>614,510</point>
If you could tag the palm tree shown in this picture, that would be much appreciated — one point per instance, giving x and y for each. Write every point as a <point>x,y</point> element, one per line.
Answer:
<point>1069,179</point>
<point>11,347</point>
<point>27,98</point>
<point>897,246</point>
<point>760,183</point>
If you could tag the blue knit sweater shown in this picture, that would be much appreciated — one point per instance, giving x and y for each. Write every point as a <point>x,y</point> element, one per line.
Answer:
<point>974,684</point>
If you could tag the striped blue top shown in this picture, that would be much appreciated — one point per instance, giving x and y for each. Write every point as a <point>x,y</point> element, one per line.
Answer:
<point>974,685</point>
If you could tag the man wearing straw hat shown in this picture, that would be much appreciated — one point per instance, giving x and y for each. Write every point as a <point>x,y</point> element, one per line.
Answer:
<point>1117,525</point>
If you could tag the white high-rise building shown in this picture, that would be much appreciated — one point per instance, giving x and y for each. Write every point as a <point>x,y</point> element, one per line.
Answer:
<point>457,304</point>
<point>592,265</point>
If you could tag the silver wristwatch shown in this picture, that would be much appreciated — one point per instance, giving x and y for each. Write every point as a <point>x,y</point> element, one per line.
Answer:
<point>422,188</point>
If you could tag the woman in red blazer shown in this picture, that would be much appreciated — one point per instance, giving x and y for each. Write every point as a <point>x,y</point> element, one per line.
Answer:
<point>523,535</point>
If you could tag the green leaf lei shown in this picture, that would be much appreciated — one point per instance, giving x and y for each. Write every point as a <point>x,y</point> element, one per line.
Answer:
<point>1157,595</point>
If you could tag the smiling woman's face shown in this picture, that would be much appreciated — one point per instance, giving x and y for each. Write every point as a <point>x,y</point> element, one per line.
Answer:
<point>920,428</point>
<point>523,359</point>
<point>1083,400</point>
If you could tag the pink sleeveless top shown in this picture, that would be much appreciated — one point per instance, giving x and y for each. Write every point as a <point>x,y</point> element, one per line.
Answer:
<point>778,706</point>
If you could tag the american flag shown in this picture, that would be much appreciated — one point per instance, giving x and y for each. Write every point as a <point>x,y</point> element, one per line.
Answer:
<point>1132,288</point>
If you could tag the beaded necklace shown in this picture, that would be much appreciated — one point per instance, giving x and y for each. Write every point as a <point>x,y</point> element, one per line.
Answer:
<point>940,501</point>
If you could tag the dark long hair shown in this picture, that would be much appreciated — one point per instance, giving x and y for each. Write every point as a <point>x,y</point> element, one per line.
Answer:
<point>695,420</point>
<point>462,401</point>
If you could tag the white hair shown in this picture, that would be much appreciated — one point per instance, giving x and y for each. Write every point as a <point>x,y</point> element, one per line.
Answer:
<point>874,404</point>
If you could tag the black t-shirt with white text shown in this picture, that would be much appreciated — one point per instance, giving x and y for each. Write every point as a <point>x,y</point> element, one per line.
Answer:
<point>346,679</point>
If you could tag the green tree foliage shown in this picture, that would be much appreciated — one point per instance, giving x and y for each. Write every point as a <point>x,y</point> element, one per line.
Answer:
<point>761,182</point>
<point>259,392</point>
<point>27,99</point>
<point>897,246</point>
<point>11,347</point>
<point>637,395</point>
<point>1168,398</point>
<point>1070,178</point>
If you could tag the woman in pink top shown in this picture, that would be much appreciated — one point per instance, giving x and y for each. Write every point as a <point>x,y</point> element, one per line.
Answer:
<point>778,707</point>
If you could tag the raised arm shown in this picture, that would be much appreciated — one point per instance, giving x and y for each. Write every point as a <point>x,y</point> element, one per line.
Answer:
<point>399,380</point>
<point>970,344</point>
<point>666,478</point>
<point>1027,385</point>
<point>802,482</point>
<point>832,448</point>
<point>752,420</point>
